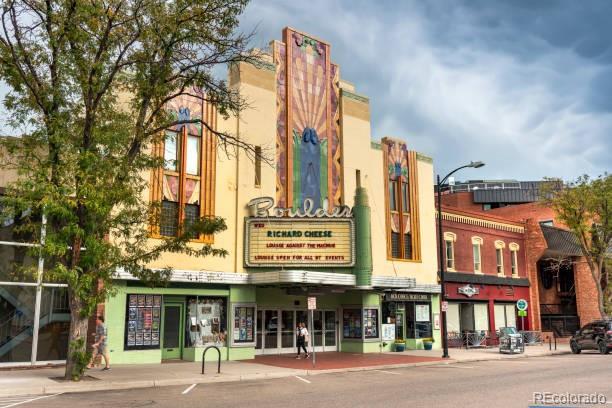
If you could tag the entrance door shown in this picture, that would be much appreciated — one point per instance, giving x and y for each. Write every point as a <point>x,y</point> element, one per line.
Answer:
<point>276,332</point>
<point>172,336</point>
<point>330,331</point>
<point>288,334</point>
<point>324,330</point>
<point>270,331</point>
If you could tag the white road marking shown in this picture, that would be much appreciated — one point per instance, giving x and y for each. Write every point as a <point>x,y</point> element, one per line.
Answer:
<point>302,379</point>
<point>191,387</point>
<point>388,372</point>
<point>450,366</point>
<point>28,399</point>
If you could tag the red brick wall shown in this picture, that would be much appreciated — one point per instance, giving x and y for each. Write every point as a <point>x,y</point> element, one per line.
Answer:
<point>586,292</point>
<point>464,201</point>
<point>535,245</point>
<point>464,259</point>
<point>523,212</point>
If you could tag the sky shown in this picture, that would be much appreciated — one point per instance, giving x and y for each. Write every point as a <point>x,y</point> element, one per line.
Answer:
<point>524,86</point>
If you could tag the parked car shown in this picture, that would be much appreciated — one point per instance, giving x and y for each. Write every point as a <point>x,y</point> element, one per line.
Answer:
<point>596,335</point>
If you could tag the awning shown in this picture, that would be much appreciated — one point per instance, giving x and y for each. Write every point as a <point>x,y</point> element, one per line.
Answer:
<point>560,242</point>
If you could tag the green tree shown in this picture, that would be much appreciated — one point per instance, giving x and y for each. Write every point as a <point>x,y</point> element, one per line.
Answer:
<point>585,206</point>
<point>88,85</point>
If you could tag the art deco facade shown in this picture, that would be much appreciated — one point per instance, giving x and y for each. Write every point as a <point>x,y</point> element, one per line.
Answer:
<point>337,214</point>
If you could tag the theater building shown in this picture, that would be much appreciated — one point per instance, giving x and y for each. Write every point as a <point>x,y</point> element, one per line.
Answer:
<point>336,215</point>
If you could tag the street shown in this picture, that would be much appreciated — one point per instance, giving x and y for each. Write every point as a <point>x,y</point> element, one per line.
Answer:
<point>498,383</point>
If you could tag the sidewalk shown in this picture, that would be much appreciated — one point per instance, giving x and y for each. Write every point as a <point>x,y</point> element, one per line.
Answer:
<point>478,354</point>
<point>40,381</point>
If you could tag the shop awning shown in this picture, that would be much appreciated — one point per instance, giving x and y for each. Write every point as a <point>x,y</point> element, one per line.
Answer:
<point>560,242</point>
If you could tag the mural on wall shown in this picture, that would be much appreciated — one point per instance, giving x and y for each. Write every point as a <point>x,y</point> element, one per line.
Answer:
<point>308,151</point>
<point>185,108</point>
<point>397,169</point>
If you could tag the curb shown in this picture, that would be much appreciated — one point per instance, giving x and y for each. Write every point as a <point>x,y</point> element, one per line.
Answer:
<point>114,385</point>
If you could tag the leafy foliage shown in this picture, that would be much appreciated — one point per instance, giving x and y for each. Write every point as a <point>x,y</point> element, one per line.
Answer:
<point>585,206</point>
<point>88,86</point>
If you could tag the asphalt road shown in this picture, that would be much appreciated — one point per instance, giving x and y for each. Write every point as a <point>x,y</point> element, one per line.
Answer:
<point>507,383</point>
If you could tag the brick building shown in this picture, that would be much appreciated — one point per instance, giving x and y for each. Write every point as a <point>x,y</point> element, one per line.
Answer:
<point>562,294</point>
<point>486,274</point>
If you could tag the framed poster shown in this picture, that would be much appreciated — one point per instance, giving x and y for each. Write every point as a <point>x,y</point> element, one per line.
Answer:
<point>388,332</point>
<point>243,326</point>
<point>142,322</point>
<point>421,313</point>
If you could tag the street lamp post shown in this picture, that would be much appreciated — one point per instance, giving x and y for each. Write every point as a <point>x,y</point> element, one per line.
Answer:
<point>441,250</point>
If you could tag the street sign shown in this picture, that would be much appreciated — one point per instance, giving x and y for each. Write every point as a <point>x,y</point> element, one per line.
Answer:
<point>522,313</point>
<point>444,306</point>
<point>521,304</point>
<point>312,303</point>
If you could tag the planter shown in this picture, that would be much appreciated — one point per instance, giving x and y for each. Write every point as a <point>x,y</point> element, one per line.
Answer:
<point>399,347</point>
<point>427,345</point>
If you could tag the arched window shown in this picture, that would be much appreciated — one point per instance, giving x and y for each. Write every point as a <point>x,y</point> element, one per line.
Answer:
<point>184,185</point>
<point>449,243</point>
<point>499,256</point>
<point>402,212</point>
<point>476,252</point>
<point>514,248</point>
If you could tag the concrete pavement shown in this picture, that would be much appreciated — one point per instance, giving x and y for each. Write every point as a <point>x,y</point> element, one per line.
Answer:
<point>41,382</point>
<point>491,383</point>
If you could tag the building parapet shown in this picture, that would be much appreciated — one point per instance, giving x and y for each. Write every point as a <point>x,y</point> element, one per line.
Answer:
<point>424,158</point>
<point>482,222</point>
<point>354,96</point>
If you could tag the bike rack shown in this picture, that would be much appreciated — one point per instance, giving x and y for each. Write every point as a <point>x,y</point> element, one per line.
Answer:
<point>218,362</point>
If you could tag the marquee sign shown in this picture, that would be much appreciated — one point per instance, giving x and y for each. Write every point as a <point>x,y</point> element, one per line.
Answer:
<point>306,238</point>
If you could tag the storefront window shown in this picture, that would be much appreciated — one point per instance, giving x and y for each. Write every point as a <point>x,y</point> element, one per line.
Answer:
<point>418,320</point>
<point>505,315</point>
<point>17,304</point>
<point>206,321</point>
<point>370,323</point>
<point>143,321</point>
<point>351,324</point>
<point>17,264</point>
<point>54,324</point>
<point>244,324</point>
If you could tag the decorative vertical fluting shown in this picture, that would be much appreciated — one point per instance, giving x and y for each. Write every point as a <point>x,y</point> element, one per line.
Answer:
<point>363,236</point>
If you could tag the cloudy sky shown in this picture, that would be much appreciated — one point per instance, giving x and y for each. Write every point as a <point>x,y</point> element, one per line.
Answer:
<point>524,86</point>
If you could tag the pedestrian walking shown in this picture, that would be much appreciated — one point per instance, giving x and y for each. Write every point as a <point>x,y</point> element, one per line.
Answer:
<point>99,347</point>
<point>302,338</point>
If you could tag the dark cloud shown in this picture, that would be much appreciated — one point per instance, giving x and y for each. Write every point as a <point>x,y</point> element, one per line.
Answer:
<point>524,86</point>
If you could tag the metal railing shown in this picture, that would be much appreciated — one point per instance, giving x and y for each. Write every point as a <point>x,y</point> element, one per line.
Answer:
<point>472,339</point>
<point>562,326</point>
<point>486,338</point>
<point>557,309</point>
<point>532,337</point>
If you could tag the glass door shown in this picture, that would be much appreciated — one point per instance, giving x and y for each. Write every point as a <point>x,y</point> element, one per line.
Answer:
<point>270,334</point>
<point>317,333</point>
<point>172,331</point>
<point>258,331</point>
<point>288,333</point>
<point>330,330</point>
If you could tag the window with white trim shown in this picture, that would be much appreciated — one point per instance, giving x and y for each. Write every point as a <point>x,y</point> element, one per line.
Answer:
<point>449,244</point>
<point>499,256</point>
<point>514,248</point>
<point>476,246</point>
